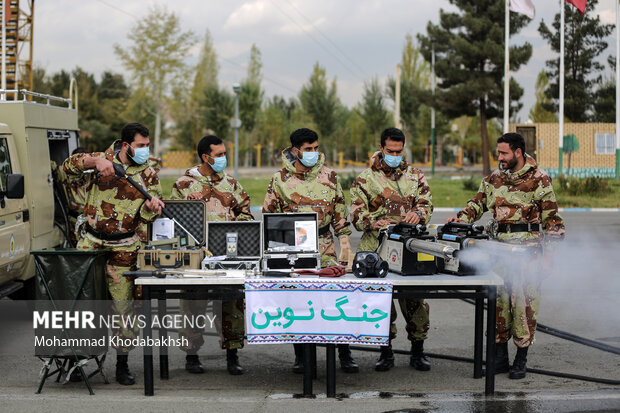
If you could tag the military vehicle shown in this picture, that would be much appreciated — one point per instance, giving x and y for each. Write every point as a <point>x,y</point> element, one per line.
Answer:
<point>36,130</point>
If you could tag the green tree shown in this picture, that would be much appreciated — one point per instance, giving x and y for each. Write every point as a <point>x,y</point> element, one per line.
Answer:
<point>469,48</point>
<point>538,113</point>
<point>156,59</point>
<point>375,115</point>
<point>320,101</point>
<point>250,101</point>
<point>415,77</point>
<point>584,41</point>
<point>218,108</point>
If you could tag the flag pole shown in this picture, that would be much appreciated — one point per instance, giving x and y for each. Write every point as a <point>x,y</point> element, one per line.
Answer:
<point>507,67</point>
<point>3,82</point>
<point>617,89</point>
<point>561,105</point>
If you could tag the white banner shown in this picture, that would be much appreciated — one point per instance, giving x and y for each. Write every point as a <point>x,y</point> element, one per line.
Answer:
<point>317,311</point>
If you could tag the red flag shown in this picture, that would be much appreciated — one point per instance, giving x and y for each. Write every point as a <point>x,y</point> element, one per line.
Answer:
<point>579,4</point>
<point>7,11</point>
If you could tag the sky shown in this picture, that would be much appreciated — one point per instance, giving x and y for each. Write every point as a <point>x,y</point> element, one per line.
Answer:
<point>353,40</point>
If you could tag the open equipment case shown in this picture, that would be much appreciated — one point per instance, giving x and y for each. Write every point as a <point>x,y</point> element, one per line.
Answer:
<point>234,245</point>
<point>179,251</point>
<point>291,242</point>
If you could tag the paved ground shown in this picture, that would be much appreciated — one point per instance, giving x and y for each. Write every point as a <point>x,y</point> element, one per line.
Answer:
<point>580,296</point>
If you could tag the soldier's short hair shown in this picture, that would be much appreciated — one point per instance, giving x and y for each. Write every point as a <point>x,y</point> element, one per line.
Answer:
<point>514,140</point>
<point>303,135</point>
<point>204,146</point>
<point>129,131</point>
<point>79,149</point>
<point>393,134</point>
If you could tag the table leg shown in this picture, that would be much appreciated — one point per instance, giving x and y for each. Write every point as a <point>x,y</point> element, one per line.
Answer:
<point>489,386</point>
<point>331,370</point>
<point>147,333</point>
<point>163,336</point>
<point>478,337</point>
<point>314,375</point>
<point>307,370</point>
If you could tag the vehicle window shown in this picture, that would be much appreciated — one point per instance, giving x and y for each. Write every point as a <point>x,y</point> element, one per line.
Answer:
<point>5,162</point>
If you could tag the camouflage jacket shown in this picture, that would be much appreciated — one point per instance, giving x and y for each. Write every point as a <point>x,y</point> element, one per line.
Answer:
<point>525,196</point>
<point>75,188</point>
<point>381,192</point>
<point>113,205</point>
<point>317,190</point>
<point>225,198</point>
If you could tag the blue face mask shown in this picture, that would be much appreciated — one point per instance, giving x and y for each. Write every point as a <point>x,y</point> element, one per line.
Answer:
<point>219,163</point>
<point>392,161</point>
<point>309,159</point>
<point>141,155</point>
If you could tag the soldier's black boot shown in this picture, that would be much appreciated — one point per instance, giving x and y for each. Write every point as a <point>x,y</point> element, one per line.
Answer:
<point>347,364</point>
<point>75,376</point>
<point>193,364</point>
<point>232,363</point>
<point>418,361</point>
<point>298,367</point>
<point>501,358</point>
<point>518,369</point>
<point>386,360</point>
<point>123,375</point>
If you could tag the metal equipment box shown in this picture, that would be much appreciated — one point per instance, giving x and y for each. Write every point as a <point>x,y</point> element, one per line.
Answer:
<point>394,248</point>
<point>191,214</point>
<point>291,242</point>
<point>235,245</point>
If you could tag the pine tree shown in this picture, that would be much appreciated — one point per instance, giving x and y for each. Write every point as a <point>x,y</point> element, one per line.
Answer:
<point>469,56</point>
<point>584,41</point>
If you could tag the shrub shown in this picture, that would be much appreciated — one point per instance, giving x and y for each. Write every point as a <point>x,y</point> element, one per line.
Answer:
<point>471,184</point>
<point>592,185</point>
<point>346,180</point>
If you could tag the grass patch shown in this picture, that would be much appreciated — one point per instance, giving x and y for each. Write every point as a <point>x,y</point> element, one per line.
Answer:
<point>446,193</point>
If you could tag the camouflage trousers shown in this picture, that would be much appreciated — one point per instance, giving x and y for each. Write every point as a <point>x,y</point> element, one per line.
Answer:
<point>517,308</point>
<point>122,256</point>
<point>229,321</point>
<point>416,314</point>
<point>518,301</point>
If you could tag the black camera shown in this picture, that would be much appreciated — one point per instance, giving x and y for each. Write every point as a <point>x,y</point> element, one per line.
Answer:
<point>368,264</point>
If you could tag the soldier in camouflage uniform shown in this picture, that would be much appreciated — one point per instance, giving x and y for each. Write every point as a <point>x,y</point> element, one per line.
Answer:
<point>305,184</point>
<point>226,201</point>
<point>75,189</point>
<point>520,196</point>
<point>389,192</point>
<point>113,211</point>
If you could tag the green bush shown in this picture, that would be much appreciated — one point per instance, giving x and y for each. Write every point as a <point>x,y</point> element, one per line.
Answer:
<point>471,184</point>
<point>346,180</point>
<point>592,185</point>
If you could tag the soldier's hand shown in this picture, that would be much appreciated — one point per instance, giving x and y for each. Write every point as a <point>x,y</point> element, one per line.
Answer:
<point>195,195</point>
<point>454,219</point>
<point>104,167</point>
<point>154,204</point>
<point>380,224</point>
<point>412,218</point>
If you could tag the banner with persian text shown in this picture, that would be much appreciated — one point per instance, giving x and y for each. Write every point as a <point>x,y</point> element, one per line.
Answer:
<point>318,311</point>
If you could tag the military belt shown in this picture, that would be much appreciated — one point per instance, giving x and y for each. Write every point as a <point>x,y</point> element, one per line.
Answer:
<point>518,227</point>
<point>109,237</point>
<point>323,230</point>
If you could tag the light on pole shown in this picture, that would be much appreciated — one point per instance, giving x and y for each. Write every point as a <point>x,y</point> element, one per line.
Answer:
<point>236,124</point>
<point>433,110</point>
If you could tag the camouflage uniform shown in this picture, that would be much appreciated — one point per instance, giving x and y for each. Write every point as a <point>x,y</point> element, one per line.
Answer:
<point>113,206</point>
<point>382,192</point>
<point>317,190</point>
<point>226,201</point>
<point>75,188</point>
<point>142,230</point>
<point>525,196</point>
